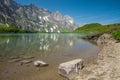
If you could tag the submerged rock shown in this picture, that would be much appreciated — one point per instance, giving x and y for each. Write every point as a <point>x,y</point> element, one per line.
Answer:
<point>25,62</point>
<point>28,57</point>
<point>14,60</point>
<point>14,57</point>
<point>71,68</point>
<point>40,63</point>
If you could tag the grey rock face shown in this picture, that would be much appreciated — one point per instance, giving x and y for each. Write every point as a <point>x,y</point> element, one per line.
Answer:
<point>30,17</point>
<point>70,69</point>
<point>57,16</point>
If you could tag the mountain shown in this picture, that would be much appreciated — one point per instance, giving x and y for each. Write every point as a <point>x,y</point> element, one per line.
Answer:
<point>31,17</point>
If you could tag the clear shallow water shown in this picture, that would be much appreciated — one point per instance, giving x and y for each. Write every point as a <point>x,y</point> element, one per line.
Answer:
<point>51,48</point>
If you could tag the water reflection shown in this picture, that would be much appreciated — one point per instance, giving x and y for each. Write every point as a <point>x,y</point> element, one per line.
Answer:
<point>35,43</point>
<point>51,48</point>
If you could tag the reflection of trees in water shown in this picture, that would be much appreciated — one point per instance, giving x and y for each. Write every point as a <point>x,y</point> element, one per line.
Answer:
<point>36,44</point>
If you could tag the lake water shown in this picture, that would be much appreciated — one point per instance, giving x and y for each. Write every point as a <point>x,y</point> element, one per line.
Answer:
<point>51,48</point>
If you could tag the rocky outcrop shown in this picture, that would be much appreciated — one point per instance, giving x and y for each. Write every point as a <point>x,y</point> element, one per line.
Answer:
<point>107,64</point>
<point>70,69</point>
<point>93,37</point>
<point>30,17</point>
<point>25,62</point>
<point>105,39</point>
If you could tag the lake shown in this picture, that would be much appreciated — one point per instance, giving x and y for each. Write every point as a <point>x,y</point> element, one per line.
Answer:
<point>52,48</point>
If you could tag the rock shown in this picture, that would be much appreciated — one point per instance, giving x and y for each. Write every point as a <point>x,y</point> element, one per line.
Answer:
<point>93,37</point>
<point>25,62</point>
<point>69,69</point>
<point>92,79</point>
<point>14,60</point>
<point>14,57</point>
<point>40,63</point>
<point>105,40</point>
<point>28,57</point>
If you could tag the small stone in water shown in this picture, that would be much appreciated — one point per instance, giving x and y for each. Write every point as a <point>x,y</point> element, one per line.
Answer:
<point>14,57</point>
<point>25,62</point>
<point>14,60</point>
<point>40,63</point>
<point>28,57</point>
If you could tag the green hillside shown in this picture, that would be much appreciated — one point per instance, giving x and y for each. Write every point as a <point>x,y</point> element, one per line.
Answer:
<point>10,29</point>
<point>97,28</point>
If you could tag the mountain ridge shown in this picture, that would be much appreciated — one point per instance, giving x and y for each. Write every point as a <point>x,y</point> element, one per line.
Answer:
<point>31,17</point>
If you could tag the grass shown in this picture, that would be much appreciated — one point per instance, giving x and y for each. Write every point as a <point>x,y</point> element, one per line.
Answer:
<point>11,29</point>
<point>96,28</point>
<point>116,35</point>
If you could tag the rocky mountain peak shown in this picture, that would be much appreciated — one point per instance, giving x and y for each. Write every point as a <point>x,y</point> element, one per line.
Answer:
<point>31,17</point>
<point>32,6</point>
<point>69,19</point>
<point>9,3</point>
<point>57,15</point>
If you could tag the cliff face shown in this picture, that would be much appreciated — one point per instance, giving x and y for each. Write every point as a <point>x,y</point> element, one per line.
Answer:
<point>30,17</point>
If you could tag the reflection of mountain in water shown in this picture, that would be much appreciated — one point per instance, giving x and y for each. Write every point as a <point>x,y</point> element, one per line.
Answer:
<point>36,43</point>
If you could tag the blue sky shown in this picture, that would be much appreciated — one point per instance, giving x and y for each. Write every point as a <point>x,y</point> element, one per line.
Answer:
<point>83,11</point>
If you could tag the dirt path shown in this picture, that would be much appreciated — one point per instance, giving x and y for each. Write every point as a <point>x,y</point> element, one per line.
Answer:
<point>107,67</point>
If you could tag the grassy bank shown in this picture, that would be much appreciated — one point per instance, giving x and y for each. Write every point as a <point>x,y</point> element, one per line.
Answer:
<point>11,29</point>
<point>14,30</point>
<point>96,28</point>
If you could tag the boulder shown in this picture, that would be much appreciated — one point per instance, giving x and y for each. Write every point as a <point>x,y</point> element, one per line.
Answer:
<point>71,68</point>
<point>40,63</point>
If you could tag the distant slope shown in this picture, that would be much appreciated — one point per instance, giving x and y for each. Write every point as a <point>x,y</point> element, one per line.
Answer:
<point>97,28</point>
<point>12,29</point>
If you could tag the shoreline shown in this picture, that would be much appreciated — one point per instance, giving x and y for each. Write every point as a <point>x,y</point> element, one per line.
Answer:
<point>107,66</point>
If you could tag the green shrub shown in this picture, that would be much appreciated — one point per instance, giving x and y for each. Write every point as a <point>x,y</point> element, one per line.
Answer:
<point>116,35</point>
